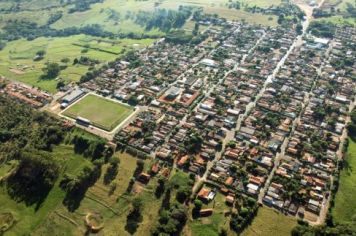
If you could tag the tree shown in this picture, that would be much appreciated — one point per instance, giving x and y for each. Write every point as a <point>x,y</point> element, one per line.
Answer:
<point>41,53</point>
<point>34,177</point>
<point>60,84</point>
<point>112,170</point>
<point>198,204</point>
<point>223,232</point>
<point>160,187</point>
<point>133,101</point>
<point>51,70</point>
<point>299,29</point>
<point>135,216</point>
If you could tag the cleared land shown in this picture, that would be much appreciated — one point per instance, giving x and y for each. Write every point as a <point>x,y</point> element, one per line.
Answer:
<point>269,222</point>
<point>101,112</point>
<point>16,59</point>
<point>345,204</point>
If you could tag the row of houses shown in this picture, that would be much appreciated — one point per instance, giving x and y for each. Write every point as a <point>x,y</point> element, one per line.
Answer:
<point>26,94</point>
<point>303,178</point>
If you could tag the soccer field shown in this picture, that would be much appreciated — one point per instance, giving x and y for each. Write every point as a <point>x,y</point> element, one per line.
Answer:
<point>101,112</point>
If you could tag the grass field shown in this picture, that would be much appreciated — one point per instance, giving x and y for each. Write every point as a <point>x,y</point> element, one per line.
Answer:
<point>269,222</point>
<point>339,20</point>
<point>232,14</point>
<point>209,226</point>
<point>113,208</point>
<point>16,59</point>
<point>99,13</point>
<point>345,204</point>
<point>27,218</point>
<point>101,112</point>
<point>341,11</point>
<point>53,218</point>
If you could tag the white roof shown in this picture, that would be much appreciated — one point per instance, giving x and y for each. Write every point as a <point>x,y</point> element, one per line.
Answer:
<point>252,186</point>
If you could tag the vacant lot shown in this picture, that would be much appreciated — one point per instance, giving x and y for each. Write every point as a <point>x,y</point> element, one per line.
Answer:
<point>269,222</point>
<point>345,204</point>
<point>101,112</point>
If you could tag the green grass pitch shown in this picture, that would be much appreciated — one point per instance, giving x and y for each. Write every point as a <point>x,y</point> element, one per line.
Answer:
<point>103,113</point>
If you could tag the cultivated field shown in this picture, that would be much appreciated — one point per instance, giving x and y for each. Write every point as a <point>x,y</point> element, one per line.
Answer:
<point>345,204</point>
<point>269,222</point>
<point>103,113</point>
<point>16,59</point>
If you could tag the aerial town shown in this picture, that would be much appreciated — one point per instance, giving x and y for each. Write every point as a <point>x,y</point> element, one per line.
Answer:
<point>250,112</point>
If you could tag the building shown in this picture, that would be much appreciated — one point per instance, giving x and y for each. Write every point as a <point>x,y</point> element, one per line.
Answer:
<point>172,93</point>
<point>72,97</point>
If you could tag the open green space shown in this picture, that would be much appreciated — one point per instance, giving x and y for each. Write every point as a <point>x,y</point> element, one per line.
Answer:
<point>113,15</point>
<point>211,225</point>
<point>338,20</point>
<point>345,204</point>
<point>340,12</point>
<point>113,208</point>
<point>53,218</point>
<point>16,59</point>
<point>99,13</point>
<point>233,14</point>
<point>101,112</point>
<point>28,218</point>
<point>269,222</point>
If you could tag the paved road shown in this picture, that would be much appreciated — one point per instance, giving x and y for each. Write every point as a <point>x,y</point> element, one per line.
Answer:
<point>230,134</point>
<point>298,42</point>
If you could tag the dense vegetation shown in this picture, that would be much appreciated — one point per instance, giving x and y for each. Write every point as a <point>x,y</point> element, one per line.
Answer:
<point>163,19</point>
<point>75,5</point>
<point>349,12</point>
<point>303,229</point>
<point>322,29</point>
<point>14,30</point>
<point>286,11</point>
<point>173,212</point>
<point>352,125</point>
<point>246,211</point>
<point>28,137</point>
<point>22,128</point>
<point>82,5</point>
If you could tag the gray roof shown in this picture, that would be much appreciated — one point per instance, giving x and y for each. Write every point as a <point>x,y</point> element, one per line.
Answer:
<point>73,95</point>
